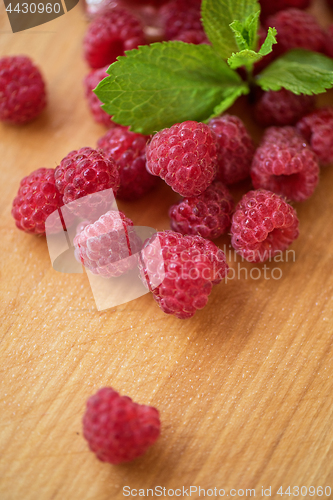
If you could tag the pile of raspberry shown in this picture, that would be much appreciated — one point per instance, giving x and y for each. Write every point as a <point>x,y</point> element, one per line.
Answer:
<point>201,162</point>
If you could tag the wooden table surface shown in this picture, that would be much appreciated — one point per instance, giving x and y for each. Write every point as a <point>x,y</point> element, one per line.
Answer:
<point>244,388</point>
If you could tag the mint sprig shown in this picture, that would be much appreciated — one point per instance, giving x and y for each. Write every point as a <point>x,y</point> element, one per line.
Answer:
<point>157,85</point>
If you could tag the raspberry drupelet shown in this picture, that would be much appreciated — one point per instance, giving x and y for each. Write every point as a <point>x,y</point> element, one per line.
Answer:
<point>282,107</point>
<point>37,198</point>
<point>22,90</point>
<point>109,35</point>
<point>181,270</point>
<point>90,83</point>
<point>269,7</point>
<point>184,156</point>
<point>329,41</point>
<point>235,148</point>
<point>263,225</point>
<point>296,29</point>
<point>207,215</point>
<point>179,16</point>
<point>317,128</point>
<point>128,149</point>
<point>285,164</point>
<point>117,429</point>
<point>85,172</point>
<point>108,246</point>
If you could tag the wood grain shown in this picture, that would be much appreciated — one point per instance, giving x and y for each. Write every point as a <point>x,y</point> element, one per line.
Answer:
<point>244,388</point>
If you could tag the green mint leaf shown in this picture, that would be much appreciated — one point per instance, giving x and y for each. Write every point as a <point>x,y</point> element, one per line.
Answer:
<point>267,46</point>
<point>243,58</point>
<point>218,15</point>
<point>300,71</point>
<point>249,57</point>
<point>160,84</point>
<point>246,34</point>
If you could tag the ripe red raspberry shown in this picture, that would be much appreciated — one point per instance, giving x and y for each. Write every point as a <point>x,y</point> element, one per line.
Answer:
<point>263,226</point>
<point>282,107</point>
<point>184,156</point>
<point>109,35</point>
<point>128,149</point>
<point>235,148</point>
<point>22,90</point>
<point>192,36</point>
<point>179,16</point>
<point>117,429</point>
<point>84,172</point>
<point>105,247</point>
<point>285,164</point>
<point>329,40</point>
<point>317,128</point>
<point>207,215</point>
<point>36,199</point>
<point>90,83</point>
<point>296,29</point>
<point>191,266</point>
<point>269,7</point>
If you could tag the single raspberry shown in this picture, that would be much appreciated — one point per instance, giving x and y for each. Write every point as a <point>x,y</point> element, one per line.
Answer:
<point>180,271</point>
<point>192,36</point>
<point>105,247</point>
<point>317,128</point>
<point>84,172</point>
<point>269,7</point>
<point>184,156</point>
<point>296,29</point>
<point>179,16</point>
<point>128,149</point>
<point>90,83</point>
<point>285,164</point>
<point>22,90</point>
<point>263,226</point>
<point>36,199</point>
<point>207,215</point>
<point>117,429</point>
<point>329,40</point>
<point>109,35</point>
<point>235,148</point>
<point>282,107</point>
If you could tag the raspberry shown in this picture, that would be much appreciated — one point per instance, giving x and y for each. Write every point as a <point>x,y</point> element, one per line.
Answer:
<point>117,429</point>
<point>269,7</point>
<point>207,215</point>
<point>179,16</point>
<point>90,83</point>
<point>282,107</point>
<point>263,226</point>
<point>184,156</point>
<point>84,172</point>
<point>329,40</point>
<point>22,90</point>
<point>235,148</point>
<point>296,29</point>
<point>128,149</point>
<point>317,128</point>
<point>192,36</point>
<point>285,164</point>
<point>191,266</point>
<point>105,246</point>
<point>109,35</point>
<point>36,199</point>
